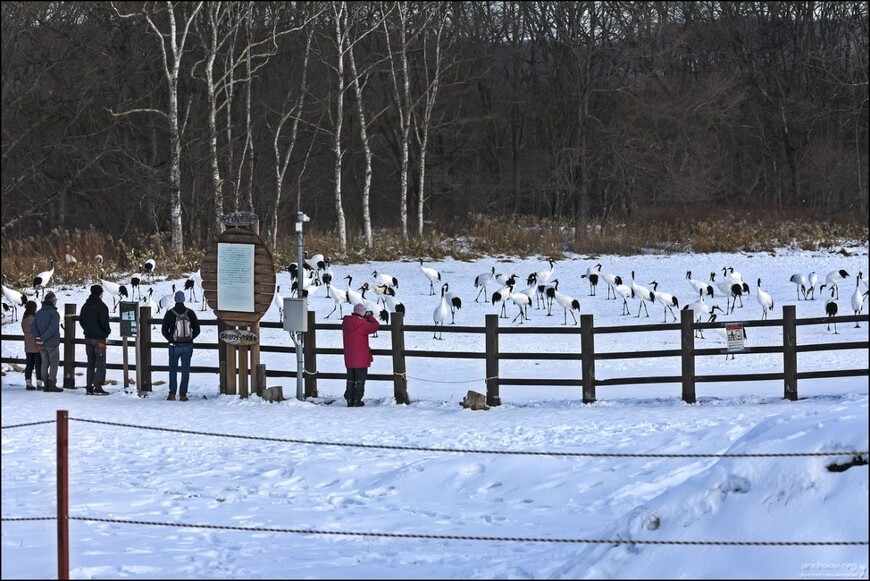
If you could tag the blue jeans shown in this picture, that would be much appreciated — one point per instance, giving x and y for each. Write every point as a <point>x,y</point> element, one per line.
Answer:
<point>183,351</point>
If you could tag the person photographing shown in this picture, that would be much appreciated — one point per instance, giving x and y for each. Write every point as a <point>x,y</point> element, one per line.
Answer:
<point>355,331</point>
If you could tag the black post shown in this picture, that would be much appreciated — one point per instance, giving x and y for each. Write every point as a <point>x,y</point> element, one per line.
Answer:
<point>789,352</point>
<point>144,373</point>
<point>687,354</point>
<point>587,354</point>
<point>69,346</point>
<point>397,335</point>
<point>309,351</point>
<point>492,384</point>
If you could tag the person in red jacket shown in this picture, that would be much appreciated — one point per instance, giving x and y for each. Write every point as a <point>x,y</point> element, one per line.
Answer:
<point>355,331</point>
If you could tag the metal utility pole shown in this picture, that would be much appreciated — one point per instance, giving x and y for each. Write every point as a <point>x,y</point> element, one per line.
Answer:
<point>300,274</point>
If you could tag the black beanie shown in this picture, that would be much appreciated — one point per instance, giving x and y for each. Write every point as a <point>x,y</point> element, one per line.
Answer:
<point>96,290</point>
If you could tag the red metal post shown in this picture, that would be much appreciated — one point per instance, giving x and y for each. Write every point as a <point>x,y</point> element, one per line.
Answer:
<point>62,495</point>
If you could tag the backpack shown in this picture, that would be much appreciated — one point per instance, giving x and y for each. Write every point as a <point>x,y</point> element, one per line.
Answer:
<point>183,331</point>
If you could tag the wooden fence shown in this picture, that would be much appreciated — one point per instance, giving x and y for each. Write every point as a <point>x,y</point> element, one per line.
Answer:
<point>586,355</point>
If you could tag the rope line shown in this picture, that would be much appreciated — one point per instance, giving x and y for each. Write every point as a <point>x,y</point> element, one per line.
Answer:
<point>465,537</point>
<point>406,377</point>
<point>472,451</point>
<point>306,372</point>
<point>27,518</point>
<point>28,424</point>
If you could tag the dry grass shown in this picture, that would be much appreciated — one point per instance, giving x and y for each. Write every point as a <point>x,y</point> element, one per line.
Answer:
<point>479,236</point>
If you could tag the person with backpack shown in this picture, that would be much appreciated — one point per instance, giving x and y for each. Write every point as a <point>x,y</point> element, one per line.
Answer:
<point>94,319</point>
<point>46,332</point>
<point>180,328</point>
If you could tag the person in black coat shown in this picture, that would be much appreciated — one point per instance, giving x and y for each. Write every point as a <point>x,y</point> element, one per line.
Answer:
<point>94,319</point>
<point>180,338</point>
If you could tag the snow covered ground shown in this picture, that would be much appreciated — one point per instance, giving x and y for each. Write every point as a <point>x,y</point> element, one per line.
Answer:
<point>145,475</point>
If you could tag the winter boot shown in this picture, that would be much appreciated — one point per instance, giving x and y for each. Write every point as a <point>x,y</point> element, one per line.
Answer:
<point>98,390</point>
<point>358,393</point>
<point>171,397</point>
<point>30,386</point>
<point>39,385</point>
<point>51,387</point>
<point>348,394</point>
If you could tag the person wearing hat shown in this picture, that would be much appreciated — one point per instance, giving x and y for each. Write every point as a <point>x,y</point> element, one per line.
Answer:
<point>94,319</point>
<point>46,332</point>
<point>355,331</point>
<point>180,328</point>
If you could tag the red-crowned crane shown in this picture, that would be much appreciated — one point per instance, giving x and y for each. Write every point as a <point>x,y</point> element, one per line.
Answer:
<point>40,281</point>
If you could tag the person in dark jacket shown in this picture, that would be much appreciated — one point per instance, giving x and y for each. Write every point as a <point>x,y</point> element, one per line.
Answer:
<point>94,319</point>
<point>180,344</point>
<point>355,331</point>
<point>46,331</point>
<point>31,350</point>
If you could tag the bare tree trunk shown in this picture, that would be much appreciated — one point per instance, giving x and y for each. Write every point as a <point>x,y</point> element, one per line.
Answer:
<point>364,137</point>
<point>249,144</point>
<point>281,166</point>
<point>216,12</point>
<point>229,91</point>
<point>403,106</point>
<point>429,98</point>
<point>340,14</point>
<point>171,71</point>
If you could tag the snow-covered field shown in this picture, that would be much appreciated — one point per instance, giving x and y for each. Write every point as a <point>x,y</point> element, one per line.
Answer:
<point>132,474</point>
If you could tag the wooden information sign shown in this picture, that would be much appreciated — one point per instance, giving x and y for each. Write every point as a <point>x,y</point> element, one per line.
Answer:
<point>238,277</point>
<point>247,290</point>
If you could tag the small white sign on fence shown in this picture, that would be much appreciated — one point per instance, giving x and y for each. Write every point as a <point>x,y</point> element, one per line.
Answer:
<point>736,337</point>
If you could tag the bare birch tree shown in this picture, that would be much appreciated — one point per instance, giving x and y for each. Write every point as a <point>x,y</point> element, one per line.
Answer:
<point>282,161</point>
<point>176,40</point>
<point>404,106</point>
<point>359,81</point>
<point>340,30</point>
<point>218,30</point>
<point>432,43</point>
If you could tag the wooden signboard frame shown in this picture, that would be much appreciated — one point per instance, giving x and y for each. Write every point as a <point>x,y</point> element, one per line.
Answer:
<point>264,290</point>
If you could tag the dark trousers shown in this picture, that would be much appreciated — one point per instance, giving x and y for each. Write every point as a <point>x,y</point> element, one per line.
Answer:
<point>34,361</point>
<point>356,384</point>
<point>96,370</point>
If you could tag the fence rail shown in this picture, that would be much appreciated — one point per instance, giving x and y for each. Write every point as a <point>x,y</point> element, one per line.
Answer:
<point>587,356</point>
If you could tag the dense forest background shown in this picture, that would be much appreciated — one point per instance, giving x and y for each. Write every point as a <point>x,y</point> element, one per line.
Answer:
<point>144,118</point>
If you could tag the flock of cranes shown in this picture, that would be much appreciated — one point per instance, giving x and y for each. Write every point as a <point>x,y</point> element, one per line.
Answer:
<point>117,291</point>
<point>540,291</point>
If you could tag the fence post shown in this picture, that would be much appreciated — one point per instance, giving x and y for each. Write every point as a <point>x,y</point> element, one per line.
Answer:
<point>222,357</point>
<point>397,337</point>
<point>687,354</point>
<point>62,432</point>
<point>144,374</point>
<point>261,380</point>
<point>243,371</point>
<point>69,346</point>
<point>255,359</point>
<point>789,352</point>
<point>309,354</point>
<point>492,383</point>
<point>587,354</point>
